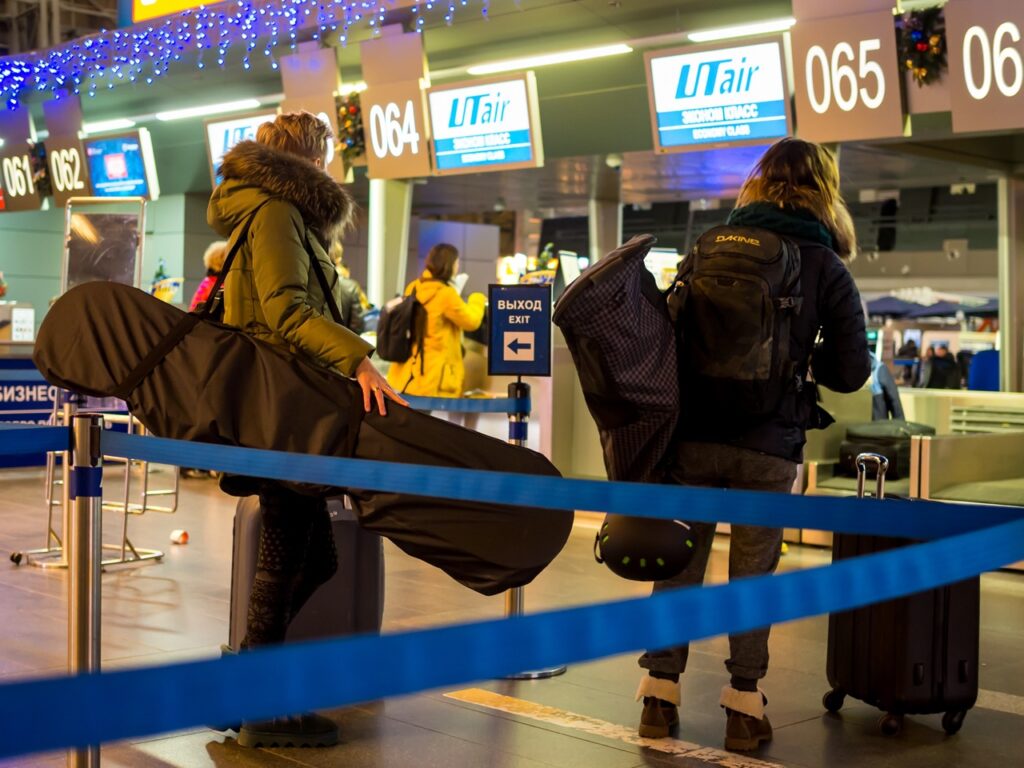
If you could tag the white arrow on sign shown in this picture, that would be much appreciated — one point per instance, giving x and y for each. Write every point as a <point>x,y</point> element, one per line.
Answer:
<point>519,346</point>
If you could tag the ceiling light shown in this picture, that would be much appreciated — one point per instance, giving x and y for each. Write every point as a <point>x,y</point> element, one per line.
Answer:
<point>209,109</point>
<point>548,58</point>
<point>357,87</point>
<point>102,126</point>
<point>743,30</point>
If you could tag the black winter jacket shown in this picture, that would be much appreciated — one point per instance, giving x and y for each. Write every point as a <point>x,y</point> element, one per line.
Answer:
<point>839,361</point>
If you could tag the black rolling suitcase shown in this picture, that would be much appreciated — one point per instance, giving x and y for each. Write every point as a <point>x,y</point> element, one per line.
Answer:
<point>351,602</point>
<point>913,655</point>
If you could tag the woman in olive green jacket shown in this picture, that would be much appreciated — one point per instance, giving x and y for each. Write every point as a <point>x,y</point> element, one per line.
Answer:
<point>272,293</point>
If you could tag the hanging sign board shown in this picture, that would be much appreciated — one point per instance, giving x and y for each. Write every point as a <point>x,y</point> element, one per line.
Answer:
<point>520,330</point>
<point>704,96</point>
<point>847,78</point>
<point>69,172</point>
<point>986,64</point>
<point>18,178</point>
<point>486,125</point>
<point>394,114</point>
<point>394,123</point>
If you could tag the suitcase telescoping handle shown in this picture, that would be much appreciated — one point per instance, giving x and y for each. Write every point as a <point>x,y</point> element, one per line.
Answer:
<point>881,463</point>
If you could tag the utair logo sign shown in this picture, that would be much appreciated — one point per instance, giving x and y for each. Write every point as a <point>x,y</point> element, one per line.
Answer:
<point>718,96</point>
<point>485,125</point>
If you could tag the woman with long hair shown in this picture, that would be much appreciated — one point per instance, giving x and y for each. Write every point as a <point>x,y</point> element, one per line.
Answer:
<point>792,192</point>
<point>435,368</point>
<point>272,292</point>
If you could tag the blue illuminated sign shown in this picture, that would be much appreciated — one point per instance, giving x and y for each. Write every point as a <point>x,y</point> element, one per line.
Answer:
<point>718,96</point>
<point>122,166</point>
<point>520,330</point>
<point>222,135</point>
<point>486,125</point>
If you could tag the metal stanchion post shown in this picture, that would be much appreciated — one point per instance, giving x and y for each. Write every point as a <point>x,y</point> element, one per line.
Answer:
<point>518,427</point>
<point>83,547</point>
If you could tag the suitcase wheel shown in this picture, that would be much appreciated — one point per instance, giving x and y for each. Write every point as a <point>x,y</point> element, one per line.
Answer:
<point>891,724</point>
<point>833,700</point>
<point>951,721</point>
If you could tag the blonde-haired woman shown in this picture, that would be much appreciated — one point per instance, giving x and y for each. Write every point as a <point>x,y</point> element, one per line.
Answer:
<point>213,259</point>
<point>793,191</point>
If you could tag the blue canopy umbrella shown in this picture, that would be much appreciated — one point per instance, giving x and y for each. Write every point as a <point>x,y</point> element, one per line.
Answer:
<point>938,309</point>
<point>989,309</point>
<point>891,306</point>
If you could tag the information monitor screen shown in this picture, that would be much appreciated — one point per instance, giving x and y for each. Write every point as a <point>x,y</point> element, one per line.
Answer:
<point>486,125</point>
<point>122,166</point>
<point>223,134</point>
<point>704,96</point>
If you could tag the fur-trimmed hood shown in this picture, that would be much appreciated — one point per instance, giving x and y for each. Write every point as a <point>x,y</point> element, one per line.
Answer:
<point>253,172</point>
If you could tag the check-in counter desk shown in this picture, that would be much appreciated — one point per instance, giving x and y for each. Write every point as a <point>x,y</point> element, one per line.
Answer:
<point>972,469</point>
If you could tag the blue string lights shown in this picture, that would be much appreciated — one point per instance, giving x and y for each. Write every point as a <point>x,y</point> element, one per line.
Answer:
<point>145,52</point>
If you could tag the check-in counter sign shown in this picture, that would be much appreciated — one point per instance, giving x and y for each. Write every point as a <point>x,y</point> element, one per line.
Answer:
<point>19,186</point>
<point>66,170</point>
<point>848,78</point>
<point>986,65</point>
<point>1000,62</point>
<point>392,129</point>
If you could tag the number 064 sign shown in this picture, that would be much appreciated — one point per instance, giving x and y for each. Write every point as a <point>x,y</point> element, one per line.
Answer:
<point>847,78</point>
<point>397,144</point>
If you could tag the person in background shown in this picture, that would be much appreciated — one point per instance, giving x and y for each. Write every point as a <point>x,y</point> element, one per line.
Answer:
<point>944,371</point>
<point>792,191</point>
<point>351,296</point>
<point>213,259</point>
<point>908,349</point>
<point>435,368</point>
<point>885,396</point>
<point>272,292</point>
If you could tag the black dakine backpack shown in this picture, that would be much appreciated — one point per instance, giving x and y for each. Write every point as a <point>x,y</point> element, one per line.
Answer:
<point>732,304</point>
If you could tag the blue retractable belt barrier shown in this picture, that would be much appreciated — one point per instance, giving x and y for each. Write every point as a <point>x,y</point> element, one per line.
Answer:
<point>892,518</point>
<point>470,404</point>
<point>22,438</point>
<point>88,709</point>
<point>63,712</point>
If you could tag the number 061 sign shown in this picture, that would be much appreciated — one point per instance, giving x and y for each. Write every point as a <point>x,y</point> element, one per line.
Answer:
<point>847,78</point>
<point>397,144</point>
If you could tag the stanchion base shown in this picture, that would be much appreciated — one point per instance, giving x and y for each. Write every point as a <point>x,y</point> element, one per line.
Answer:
<point>537,674</point>
<point>40,558</point>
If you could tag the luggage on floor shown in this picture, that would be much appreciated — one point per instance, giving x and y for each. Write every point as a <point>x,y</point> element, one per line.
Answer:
<point>890,438</point>
<point>350,602</point>
<point>913,655</point>
<point>219,385</point>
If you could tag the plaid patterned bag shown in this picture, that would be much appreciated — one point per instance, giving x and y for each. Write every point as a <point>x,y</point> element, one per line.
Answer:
<point>622,341</point>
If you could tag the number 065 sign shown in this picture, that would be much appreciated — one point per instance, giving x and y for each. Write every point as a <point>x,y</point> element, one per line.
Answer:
<point>847,78</point>
<point>397,144</point>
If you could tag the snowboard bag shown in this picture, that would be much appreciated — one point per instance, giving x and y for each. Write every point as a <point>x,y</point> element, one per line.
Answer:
<point>219,385</point>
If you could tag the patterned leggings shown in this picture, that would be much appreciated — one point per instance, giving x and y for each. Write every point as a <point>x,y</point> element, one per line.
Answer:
<point>296,555</point>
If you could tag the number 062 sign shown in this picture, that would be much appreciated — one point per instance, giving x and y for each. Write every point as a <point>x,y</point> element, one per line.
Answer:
<point>847,78</point>
<point>397,140</point>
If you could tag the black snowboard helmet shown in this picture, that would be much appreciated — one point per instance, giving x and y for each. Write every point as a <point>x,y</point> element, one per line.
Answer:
<point>644,549</point>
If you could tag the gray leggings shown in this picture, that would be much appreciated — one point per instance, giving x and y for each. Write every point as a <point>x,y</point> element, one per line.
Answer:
<point>753,550</point>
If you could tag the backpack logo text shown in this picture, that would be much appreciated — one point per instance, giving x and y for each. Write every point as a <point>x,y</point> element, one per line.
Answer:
<point>737,239</point>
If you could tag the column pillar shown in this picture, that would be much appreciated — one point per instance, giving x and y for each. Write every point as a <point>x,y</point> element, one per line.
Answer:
<point>389,215</point>
<point>1011,283</point>
<point>605,227</point>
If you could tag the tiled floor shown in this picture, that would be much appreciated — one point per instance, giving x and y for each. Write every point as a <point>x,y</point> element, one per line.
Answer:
<point>178,610</point>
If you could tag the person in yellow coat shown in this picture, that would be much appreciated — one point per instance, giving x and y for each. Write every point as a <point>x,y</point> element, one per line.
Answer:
<point>435,368</point>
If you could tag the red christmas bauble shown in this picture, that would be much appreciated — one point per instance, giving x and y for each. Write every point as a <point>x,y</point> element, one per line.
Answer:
<point>352,110</point>
<point>922,46</point>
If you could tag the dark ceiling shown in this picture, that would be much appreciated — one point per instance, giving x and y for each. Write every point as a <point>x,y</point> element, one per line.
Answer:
<point>588,110</point>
